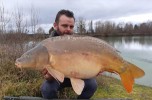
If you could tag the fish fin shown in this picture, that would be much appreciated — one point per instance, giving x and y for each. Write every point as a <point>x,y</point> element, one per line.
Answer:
<point>127,80</point>
<point>77,85</point>
<point>135,71</point>
<point>56,74</point>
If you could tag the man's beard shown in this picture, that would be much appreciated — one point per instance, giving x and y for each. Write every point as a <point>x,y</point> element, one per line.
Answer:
<point>61,33</point>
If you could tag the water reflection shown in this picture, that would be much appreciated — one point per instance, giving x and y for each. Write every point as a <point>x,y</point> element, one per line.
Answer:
<point>136,43</point>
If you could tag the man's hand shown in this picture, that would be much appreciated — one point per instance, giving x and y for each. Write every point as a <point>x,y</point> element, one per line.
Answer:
<point>46,75</point>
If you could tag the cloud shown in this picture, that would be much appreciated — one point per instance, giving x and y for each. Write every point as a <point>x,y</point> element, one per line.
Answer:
<point>139,18</point>
<point>88,9</point>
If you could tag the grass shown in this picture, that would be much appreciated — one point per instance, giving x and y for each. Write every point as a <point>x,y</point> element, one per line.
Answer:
<point>16,82</point>
<point>112,88</point>
<point>107,88</point>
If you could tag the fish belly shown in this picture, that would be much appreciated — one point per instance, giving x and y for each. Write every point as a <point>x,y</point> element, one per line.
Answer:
<point>77,65</point>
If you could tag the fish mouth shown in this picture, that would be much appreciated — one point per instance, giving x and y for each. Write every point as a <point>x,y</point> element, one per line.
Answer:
<point>18,64</point>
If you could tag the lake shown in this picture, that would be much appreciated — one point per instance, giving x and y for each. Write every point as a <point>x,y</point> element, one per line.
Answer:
<point>137,50</point>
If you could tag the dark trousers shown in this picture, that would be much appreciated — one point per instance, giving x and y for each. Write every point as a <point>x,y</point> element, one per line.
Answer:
<point>49,88</point>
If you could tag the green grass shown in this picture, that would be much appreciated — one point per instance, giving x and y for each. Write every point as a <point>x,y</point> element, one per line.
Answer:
<point>112,88</point>
<point>107,88</point>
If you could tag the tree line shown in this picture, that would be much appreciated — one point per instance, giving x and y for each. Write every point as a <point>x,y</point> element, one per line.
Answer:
<point>109,28</point>
<point>16,22</point>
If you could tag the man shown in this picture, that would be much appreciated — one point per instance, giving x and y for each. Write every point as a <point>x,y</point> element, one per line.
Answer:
<point>64,24</point>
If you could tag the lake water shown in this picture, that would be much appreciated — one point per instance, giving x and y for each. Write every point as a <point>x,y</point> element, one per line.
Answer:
<point>137,50</point>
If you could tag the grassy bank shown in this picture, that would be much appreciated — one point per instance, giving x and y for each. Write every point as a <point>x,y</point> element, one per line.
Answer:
<point>107,88</point>
<point>112,88</point>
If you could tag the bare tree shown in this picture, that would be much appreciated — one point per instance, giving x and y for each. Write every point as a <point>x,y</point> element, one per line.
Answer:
<point>149,24</point>
<point>4,19</point>
<point>34,19</point>
<point>18,20</point>
<point>90,24</point>
<point>40,30</point>
<point>10,28</point>
<point>105,28</point>
<point>128,29</point>
<point>99,27</point>
<point>81,26</point>
<point>120,27</point>
<point>110,28</point>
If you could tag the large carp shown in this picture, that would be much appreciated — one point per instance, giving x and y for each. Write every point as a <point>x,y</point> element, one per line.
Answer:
<point>78,58</point>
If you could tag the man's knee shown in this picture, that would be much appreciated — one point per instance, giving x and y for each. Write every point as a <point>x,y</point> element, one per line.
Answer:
<point>49,89</point>
<point>89,89</point>
<point>91,85</point>
<point>49,86</point>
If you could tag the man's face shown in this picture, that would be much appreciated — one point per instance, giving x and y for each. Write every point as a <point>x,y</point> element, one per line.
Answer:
<point>65,25</point>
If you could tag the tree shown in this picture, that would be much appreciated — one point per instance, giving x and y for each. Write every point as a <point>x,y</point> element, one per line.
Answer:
<point>20,24</point>
<point>109,27</point>
<point>4,20</point>
<point>90,24</point>
<point>34,19</point>
<point>120,27</point>
<point>143,28</point>
<point>105,28</point>
<point>98,27</point>
<point>81,26</point>
<point>10,28</point>
<point>128,28</point>
<point>40,30</point>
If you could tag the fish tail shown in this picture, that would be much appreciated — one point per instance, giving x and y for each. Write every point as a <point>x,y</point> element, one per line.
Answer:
<point>128,76</point>
<point>135,71</point>
<point>127,80</point>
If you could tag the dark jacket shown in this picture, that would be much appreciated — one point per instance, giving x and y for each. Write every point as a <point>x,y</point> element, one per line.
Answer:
<point>54,33</point>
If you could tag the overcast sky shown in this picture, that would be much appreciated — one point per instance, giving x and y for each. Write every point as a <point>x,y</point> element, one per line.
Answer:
<point>135,11</point>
